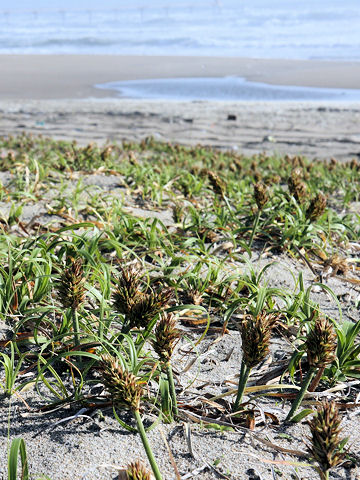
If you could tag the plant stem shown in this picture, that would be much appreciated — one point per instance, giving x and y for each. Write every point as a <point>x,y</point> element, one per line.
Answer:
<point>75,322</point>
<point>170,377</point>
<point>324,475</point>
<point>296,403</point>
<point>256,223</point>
<point>166,407</point>
<point>243,378</point>
<point>316,379</point>
<point>146,444</point>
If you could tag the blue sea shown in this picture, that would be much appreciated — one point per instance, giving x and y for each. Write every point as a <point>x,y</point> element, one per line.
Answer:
<point>288,29</point>
<point>304,29</point>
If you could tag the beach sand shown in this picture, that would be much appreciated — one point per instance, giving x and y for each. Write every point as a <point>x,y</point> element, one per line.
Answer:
<point>74,76</point>
<point>55,96</point>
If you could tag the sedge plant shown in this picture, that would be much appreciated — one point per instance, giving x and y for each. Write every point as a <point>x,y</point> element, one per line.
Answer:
<point>71,292</point>
<point>325,447</point>
<point>261,198</point>
<point>126,392</point>
<point>166,336</point>
<point>255,331</point>
<point>320,346</point>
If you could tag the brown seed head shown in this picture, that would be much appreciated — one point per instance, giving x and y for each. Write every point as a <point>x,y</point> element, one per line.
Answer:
<point>353,164</point>
<point>209,235</point>
<point>71,290</point>
<point>255,335</point>
<point>105,154</point>
<point>122,385</point>
<point>333,163</point>
<point>166,336</point>
<point>297,161</point>
<point>147,305</point>
<point>296,186</point>
<point>317,207</point>
<point>127,288</point>
<point>193,296</point>
<point>321,343</point>
<point>216,183</point>
<point>261,195</point>
<point>325,430</point>
<point>238,164</point>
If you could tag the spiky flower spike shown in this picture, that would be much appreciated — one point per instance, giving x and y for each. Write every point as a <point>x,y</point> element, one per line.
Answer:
<point>146,306</point>
<point>325,430</point>
<point>71,288</point>
<point>261,194</point>
<point>321,343</point>
<point>137,471</point>
<point>296,186</point>
<point>122,385</point>
<point>166,335</point>
<point>320,347</point>
<point>217,184</point>
<point>126,392</point>
<point>127,288</point>
<point>255,334</point>
<point>317,207</point>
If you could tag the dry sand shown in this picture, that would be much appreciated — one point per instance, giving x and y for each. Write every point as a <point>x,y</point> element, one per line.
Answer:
<point>310,129</point>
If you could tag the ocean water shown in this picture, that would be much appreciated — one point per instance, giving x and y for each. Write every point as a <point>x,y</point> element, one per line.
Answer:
<point>303,29</point>
<point>225,89</point>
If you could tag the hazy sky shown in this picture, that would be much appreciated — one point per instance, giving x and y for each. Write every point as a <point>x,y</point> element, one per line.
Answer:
<point>96,4</point>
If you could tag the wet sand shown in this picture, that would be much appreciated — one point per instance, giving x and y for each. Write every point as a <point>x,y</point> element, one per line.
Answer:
<point>74,76</point>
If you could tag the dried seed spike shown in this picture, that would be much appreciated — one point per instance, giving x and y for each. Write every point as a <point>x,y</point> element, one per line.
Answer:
<point>127,288</point>
<point>353,164</point>
<point>71,290</point>
<point>261,194</point>
<point>338,264</point>
<point>325,430</point>
<point>255,334</point>
<point>317,207</point>
<point>321,343</point>
<point>166,335</point>
<point>217,184</point>
<point>193,296</point>
<point>146,306</point>
<point>122,385</point>
<point>296,186</point>
<point>333,163</point>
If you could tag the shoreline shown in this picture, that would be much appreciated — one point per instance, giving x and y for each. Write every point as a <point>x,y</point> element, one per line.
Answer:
<point>45,77</point>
